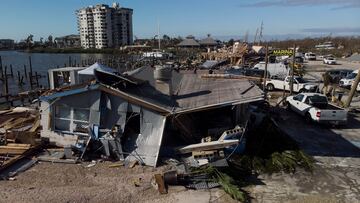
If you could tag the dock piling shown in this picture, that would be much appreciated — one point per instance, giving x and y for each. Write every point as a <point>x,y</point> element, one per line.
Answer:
<point>25,72</point>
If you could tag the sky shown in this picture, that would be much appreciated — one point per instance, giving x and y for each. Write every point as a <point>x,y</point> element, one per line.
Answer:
<point>220,18</point>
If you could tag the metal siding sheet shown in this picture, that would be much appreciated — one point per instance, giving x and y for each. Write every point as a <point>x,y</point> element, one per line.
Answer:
<point>149,141</point>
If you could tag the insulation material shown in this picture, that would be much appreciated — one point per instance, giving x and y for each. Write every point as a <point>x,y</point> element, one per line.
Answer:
<point>149,140</point>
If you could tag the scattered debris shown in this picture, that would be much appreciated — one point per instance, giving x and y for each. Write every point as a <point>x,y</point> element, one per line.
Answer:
<point>133,163</point>
<point>117,165</point>
<point>93,163</point>
<point>160,183</point>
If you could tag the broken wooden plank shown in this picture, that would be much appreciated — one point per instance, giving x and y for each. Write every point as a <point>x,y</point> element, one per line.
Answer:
<point>18,122</point>
<point>219,144</point>
<point>57,160</point>
<point>159,179</point>
<point>18,145</point>
<point>35,125</point>
<point>16,158</point>
<point>133,163</point>
<point>6,122</point>
<point>13,149</point>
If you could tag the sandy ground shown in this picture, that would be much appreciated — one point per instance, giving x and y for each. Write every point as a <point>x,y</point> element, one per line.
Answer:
<point>47,182</point>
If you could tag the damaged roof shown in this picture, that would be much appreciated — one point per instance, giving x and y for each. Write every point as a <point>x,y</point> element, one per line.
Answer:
<point>190,92</point>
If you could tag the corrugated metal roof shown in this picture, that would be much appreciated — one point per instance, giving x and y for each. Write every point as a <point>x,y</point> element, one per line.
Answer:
<point>191,92</point>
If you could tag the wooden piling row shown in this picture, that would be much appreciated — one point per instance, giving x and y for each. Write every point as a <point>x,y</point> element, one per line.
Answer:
<point>33,78</point>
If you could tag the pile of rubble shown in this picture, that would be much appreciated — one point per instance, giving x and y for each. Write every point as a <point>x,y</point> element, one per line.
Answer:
<point>19,135</point>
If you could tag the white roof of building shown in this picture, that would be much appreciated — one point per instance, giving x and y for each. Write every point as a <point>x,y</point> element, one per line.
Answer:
<point>98,66</point>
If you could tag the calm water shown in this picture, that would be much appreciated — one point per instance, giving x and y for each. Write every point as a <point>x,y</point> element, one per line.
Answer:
<point>41,62</point>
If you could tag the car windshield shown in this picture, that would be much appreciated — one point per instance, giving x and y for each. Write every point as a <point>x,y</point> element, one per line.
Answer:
<point>300,80</point>
<point>330,58</point>
<point>351,76</point>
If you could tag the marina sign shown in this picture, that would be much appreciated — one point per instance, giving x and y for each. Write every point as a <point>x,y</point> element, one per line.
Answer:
<point>284,52</point>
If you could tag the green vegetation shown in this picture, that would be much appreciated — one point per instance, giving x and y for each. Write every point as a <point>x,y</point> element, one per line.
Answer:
<point>229,184</point>
<point>269,150</point>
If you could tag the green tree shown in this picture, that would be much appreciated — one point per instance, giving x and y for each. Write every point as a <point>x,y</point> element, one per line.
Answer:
<point>29,41</point>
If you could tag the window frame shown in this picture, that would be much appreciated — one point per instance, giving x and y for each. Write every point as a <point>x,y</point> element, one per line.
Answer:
<point>71,119</point>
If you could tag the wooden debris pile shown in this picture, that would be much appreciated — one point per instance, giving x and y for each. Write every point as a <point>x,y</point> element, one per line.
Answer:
<point>19,131</point>
<point>19,125</point>
<point>12,152</point>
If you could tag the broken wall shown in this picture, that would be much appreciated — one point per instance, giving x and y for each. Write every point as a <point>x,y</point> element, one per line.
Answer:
<point>87,100</point>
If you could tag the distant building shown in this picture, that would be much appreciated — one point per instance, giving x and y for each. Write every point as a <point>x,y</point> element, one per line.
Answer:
<point>6,44</point>
<point>189,42</point>
<point>325,45</point>
<point>102,26</point>
<point>68,41</point>
<point>208,42</point>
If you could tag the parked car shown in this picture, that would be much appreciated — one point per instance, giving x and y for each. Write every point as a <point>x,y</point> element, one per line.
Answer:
<point>315,108</point>
<point>273,68</point>
<point>310,56</point>
<point>300,85</point>
<point>348,80</point>
<point>338,74</point>
<point>329,60</point>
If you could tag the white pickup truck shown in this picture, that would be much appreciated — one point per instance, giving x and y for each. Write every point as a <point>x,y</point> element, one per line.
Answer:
<point>315,107</point>
<point>300,85</point>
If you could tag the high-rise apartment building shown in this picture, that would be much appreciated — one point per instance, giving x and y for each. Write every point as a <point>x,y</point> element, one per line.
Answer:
<point>102,26</point>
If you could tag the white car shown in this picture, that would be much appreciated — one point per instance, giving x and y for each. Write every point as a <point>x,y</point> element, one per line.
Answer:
<point>300,85</point>
<point>348,80</point>
<point>310,56</point>
<point>329,60</point>
<point>315,108</point>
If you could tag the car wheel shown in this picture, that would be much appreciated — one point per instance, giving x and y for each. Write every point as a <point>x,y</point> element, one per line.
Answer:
<point>308,118</point>
<point>287,106</point>
<point>302,90</point>
<point>270,87</point>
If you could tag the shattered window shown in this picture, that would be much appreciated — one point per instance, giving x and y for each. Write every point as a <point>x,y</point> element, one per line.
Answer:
<point>71,120</point>
<point>62,125</point>
<point>62,111</point>
<point>81,114</point>
<point>81,120</point>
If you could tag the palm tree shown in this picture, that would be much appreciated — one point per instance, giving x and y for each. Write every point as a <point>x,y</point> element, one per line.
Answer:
<point>29,41</point>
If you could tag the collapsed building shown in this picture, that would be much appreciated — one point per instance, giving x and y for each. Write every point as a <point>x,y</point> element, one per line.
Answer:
<point>237,54</point>
<point>146,113</point>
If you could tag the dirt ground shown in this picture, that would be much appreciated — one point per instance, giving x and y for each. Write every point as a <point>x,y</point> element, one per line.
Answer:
<point>47,182</point>
<point>50,182</point>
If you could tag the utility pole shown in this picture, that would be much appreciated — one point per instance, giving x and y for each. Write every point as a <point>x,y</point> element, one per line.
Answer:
<point>159,35</point>
<point>353,90</point>
<point>292,71</point>
<point>266,64</point>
